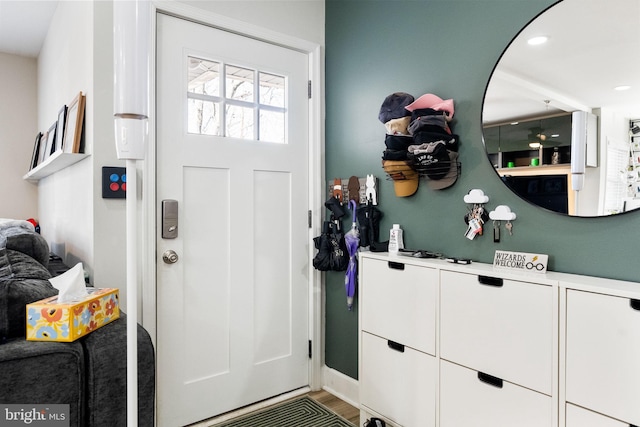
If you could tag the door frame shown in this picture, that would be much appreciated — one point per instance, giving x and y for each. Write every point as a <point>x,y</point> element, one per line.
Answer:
<point>147,169</point>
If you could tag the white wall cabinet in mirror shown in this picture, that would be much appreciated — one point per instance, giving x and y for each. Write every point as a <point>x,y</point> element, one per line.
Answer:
<point>585,63</point>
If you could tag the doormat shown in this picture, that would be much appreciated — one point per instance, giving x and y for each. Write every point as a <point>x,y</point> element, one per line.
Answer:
<point>303,412</point>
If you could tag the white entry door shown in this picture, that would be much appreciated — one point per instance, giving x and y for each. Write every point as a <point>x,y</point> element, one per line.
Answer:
<point>232,151</point>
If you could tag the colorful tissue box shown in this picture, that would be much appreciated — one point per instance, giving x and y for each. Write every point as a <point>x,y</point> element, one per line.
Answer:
<point>48,320</point>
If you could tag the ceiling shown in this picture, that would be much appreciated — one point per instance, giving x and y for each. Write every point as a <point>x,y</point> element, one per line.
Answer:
<point>24,25</point>
<point>593,46</point>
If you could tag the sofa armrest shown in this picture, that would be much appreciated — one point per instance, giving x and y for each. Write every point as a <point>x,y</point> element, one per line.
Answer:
<point>106,361</point>
<point>44,373</point>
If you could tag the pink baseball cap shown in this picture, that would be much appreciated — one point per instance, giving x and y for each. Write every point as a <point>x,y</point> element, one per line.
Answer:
<point>432,101</point>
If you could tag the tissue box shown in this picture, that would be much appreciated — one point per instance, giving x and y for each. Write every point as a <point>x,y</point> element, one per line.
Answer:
<point>48,320</point>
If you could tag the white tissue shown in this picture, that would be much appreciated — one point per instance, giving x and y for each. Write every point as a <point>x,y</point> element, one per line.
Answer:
<point>70,284</point>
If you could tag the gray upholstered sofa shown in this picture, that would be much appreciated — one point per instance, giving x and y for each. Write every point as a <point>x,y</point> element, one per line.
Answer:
<point>88,374</point>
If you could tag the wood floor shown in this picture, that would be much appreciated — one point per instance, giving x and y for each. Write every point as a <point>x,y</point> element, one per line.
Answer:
<point>340,407</point>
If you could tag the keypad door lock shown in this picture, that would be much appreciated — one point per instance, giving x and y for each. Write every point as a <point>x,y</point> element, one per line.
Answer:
<point>169,219</point>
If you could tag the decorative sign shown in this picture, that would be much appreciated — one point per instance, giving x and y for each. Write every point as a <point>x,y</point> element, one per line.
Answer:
<point>521,261</point>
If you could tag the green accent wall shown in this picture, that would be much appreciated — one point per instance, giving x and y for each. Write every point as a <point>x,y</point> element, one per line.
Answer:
<point>449,48</point>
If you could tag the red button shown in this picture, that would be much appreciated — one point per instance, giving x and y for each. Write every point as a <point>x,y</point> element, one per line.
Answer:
<point>114,186</point>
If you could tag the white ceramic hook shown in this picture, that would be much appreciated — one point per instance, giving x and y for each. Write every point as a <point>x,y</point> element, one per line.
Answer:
<point>502,213</point>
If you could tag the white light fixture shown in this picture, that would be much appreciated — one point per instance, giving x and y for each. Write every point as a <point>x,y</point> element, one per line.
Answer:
<point>131,65</point>
<point>131,47</point>
<point>538,40</point>
<point>622,87</point>
<point>535,145</point>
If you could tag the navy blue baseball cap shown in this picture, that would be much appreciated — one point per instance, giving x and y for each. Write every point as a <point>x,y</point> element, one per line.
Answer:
<point>393,106</point>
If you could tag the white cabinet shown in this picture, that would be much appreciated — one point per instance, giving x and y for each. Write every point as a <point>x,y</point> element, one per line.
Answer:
<point>472,398</point>
<point>580,417</point>
<point>398,382</point>
<point>449,345</point>
<point>498,326</point>
<point>603,354</point>
<point>398,368</point>
<point>399,302</point>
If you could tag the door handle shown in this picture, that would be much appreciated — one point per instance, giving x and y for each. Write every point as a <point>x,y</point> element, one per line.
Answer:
<point>395,265</point>
<point>490,379</point>
<point>170,257</point>
<point>395,346</point>
<point>490,281</point>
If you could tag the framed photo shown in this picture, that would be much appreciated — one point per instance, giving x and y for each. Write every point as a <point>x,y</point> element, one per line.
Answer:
<point>62,115</point>
<point>51,139</point>
<point>36,152</point>
<point>73,125</point>
<point>42,147</point>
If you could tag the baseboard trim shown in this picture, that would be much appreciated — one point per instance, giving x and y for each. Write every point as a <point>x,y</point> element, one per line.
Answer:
<point>341,385</point>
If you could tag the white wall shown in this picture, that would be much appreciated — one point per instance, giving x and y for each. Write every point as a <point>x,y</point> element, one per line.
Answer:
<point>303,19</point>
<point>18,129</point>
<point>65,69</point>
<point>78,56</point>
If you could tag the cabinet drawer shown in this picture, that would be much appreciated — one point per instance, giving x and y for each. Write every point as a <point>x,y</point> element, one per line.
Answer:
<point>399,383</point>
<point>500,326</point>
<point>467,400</point>
<point>398,302</point>
<point>580,417</point>
<point>603,354</point>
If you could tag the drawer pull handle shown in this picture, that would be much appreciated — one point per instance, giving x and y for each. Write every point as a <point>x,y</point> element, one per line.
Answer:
<point>396,265</point>
<point>635,304</point>
<point>395,346</point>
<point>490,281</point>
<point>490,379</point>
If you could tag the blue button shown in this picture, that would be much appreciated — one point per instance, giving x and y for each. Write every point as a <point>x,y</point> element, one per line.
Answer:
<point>114,177</point>
<point>124,178</point>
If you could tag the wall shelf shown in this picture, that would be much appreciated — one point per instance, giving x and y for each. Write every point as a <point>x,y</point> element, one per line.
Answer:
<point>57,161</point>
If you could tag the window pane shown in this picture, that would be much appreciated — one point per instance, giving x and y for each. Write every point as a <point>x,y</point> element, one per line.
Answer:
<point>239,122</point>
<point>271,90</point>
<point>239,83</point>
<point>203,117</point>
<point>204,77</point>
<point>272,126</point>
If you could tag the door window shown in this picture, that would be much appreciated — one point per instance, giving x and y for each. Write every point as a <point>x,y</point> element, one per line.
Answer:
<point>235,102</point>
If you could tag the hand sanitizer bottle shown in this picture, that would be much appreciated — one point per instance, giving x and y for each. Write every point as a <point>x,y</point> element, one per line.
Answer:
<point>395,240</point>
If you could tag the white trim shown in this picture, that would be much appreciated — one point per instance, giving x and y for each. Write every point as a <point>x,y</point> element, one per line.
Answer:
<point>341,386</point>
<point>316,168</point>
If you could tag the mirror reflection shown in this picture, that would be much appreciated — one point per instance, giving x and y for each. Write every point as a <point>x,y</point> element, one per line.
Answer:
<point>561,114</point>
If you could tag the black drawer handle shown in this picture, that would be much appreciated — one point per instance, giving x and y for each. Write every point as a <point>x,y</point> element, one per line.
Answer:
<point>490,281</point>
<point>490,379</point>
<point>395,346</point>
<point>396,265</point>
<point>635,304</point>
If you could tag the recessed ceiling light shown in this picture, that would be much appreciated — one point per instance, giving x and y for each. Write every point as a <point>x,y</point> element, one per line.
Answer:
<point>622,87</point>
<point>555,135</point>
<point>513,123</point>
<point>534,41</point>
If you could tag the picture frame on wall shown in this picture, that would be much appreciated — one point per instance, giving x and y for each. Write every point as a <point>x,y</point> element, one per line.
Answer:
<point>60,126</point>
<point>51,138</point>
<point>36,152</point>
<point>42,146</point>
<point>73,125</point>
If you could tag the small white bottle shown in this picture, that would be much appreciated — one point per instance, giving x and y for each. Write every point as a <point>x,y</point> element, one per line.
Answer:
<point>395,240</point>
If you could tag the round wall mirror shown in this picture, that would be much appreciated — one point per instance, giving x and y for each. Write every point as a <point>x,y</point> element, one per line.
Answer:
<point>561,113</point>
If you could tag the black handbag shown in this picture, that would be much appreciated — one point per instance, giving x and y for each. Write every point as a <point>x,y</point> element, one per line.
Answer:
<point>332,251</point>
<point>374,422</point>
